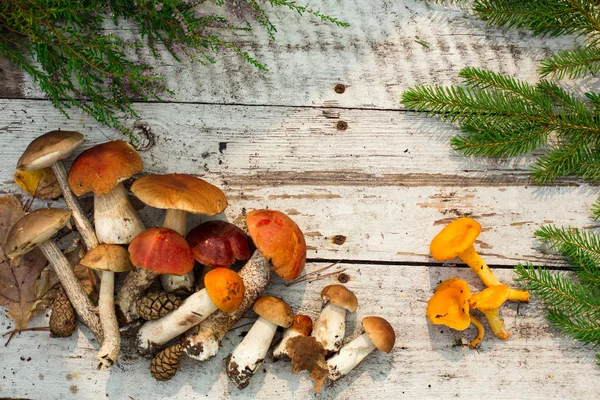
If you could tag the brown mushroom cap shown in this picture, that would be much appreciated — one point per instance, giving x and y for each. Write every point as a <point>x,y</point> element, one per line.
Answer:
<point>278,239</point>
<point>340,296</point>
<point>380,332</point>
<point>455,238</point>
<point>100,168</point>
<point>107,257</point>
<point>274,310</point>
<point>180,192</point>
<point>33,229</point>
<point>302,324</point>
<point>49,148</point>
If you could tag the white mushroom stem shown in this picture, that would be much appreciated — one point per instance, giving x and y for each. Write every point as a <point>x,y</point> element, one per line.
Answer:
<point>349,356</point>
<point>109,351</point>
<point>179,284</point>
<point>83,224</point>
<point>80,300</point>
<point>191,312</point>
<point>204,343</point>
<point>330,327</point>
<point>116,220</point>
<point>245,359</point>
<point>281,349</point>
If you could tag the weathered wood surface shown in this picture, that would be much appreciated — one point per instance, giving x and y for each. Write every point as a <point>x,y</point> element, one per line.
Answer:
<point>368,183</point>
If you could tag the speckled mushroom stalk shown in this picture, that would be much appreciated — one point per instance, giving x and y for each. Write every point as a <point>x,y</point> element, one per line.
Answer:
<point>179,194</point>
<point>245,359</point>
<point>378,335</point>
<point>280,246</point>
<point>302,326</point>
<point>224,291</point>
<point>37,229</point>
<point>330,326</point>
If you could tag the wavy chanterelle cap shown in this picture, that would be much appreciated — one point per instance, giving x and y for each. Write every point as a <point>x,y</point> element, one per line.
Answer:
<point>274,310</point>
<point>280,240</point>
<point>380,332</point>
<point>107,257</point>
<point>33,229</point>
<point>340,296</point>
<point>455,238</point>
<point>180,192</point>
<point>450,305</point>
<point>161,250</point>
<point>49,148</point>
<point>225,288</point>
<point>100,168</point>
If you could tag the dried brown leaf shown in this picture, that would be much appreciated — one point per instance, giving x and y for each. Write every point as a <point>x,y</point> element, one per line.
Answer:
<point>39,183</point>
<point>308,355</point>
<point>17,276</point>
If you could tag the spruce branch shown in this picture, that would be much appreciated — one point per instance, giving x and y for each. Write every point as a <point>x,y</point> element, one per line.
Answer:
<point>572,63</point>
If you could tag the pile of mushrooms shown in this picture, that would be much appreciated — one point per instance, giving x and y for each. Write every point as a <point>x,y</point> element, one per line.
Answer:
<point>233,268</point>
<point>453,301</point>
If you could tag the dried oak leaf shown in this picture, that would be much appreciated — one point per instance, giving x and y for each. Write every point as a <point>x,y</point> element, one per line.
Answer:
<point>40,183</point>
<point>17,276</point>
<point>308,355</point>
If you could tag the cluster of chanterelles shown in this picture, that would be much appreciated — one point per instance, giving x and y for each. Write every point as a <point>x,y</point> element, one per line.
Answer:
<point>120,242</point>
<point>452,301</point>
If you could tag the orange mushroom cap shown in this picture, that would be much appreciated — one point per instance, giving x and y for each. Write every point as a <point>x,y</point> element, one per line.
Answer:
<point>161,250</point>
<point>450,305</point>
<point>100,168</point>
<point>219,244</point>
<point>180,192</point>
<point>455,238</point>
<point>490,298</point>
<point>302,324</point>
<point>225,288</point>
<point>280,240</point>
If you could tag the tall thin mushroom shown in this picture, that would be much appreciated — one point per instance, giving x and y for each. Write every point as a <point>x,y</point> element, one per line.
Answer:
<point>281,246</point>
<point>37,229</point>
<point>179,194</point>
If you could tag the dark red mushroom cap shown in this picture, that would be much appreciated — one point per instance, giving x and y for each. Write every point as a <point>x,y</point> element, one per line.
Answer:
<point>161,250</point>
<point>219,244</point>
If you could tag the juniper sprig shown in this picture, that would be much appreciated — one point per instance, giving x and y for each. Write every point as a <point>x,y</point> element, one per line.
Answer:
<point>69,49</point>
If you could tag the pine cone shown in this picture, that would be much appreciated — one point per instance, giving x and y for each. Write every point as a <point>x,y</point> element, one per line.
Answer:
<point>62,319</point>
<point>154,305</point>
<point>164,364</point>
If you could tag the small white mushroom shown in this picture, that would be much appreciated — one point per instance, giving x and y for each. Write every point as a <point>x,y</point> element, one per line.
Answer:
<point>302,326</point>
<point>378,334</point>
<point>245,359</point>
<point>330,326</point>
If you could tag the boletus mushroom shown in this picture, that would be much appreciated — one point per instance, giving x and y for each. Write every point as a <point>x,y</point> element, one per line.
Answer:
<point>102,170</point>
<point>279,245</point>
<point>245,359</point>
<point>330,326</point>
<point>449,306</point>
<point>378,334</point>
<point>37,229</point>
<point>224,290</point>
<point>108,259</point>
<point>179,194</point>
<point>154,251</point>
<point>302,326</point>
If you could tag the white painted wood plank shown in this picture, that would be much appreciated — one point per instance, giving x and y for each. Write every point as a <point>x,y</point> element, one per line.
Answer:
<point>360,183</point>
<point>377,58</point>
<point>535,363</point>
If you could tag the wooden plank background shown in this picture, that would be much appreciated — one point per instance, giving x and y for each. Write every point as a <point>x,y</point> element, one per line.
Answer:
<point>353,165</point>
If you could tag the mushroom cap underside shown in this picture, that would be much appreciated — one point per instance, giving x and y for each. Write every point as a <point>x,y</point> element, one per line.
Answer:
<point>455,238</point>
<point>33,229</point>
<point>49,148</point>
<point>380,332</point>
<point>180,192</point>
<point>107,257</point>
<point>280,240</point>
<point>161,250</point>
<point>449,305</point>
<point>274,310</point>
<point>219,244</point>
<point>100,168</point>
<point>225,288</point>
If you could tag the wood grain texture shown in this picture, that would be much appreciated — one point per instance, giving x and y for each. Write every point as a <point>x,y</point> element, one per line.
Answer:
<point>361,183</point>
<point>535,362</point>
<point>377,57</point>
